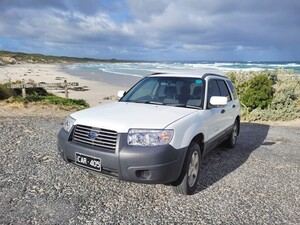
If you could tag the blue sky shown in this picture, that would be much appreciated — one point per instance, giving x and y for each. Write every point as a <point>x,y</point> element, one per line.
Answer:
<point>262,30</point>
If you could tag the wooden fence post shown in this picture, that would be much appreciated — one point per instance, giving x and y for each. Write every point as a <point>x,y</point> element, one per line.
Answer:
<point>23,89</point>
<point>66,89</point>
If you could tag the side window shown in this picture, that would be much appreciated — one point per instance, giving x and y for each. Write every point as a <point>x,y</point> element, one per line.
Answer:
<point>213,90</point>
<point>232,89</point>
<point>224,90</point>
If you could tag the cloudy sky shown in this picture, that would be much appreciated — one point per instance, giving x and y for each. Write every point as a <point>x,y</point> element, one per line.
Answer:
<point>153,29</point>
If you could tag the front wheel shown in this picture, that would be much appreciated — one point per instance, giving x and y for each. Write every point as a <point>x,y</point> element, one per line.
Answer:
<point>191,171</point>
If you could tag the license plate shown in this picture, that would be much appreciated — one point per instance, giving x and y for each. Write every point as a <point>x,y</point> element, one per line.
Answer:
<point>88,161</point>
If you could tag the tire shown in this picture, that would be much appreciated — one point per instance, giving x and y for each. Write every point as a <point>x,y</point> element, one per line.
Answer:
<point>232,139</point>
<point>191,171</point>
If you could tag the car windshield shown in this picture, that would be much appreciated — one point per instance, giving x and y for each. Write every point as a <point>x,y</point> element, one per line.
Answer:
<point>173,91</point>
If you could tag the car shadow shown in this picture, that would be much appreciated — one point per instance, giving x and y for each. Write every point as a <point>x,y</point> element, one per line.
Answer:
<point>222,161</point>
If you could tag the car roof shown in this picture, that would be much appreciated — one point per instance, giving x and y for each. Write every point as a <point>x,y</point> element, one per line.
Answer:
<point>191,75</point>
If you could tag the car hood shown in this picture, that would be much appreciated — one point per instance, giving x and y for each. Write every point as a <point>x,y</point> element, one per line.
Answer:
<point>121,116</point>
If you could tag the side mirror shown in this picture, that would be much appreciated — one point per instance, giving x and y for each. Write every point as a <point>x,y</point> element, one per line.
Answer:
<point>218,101</point>
<point>121,93</point>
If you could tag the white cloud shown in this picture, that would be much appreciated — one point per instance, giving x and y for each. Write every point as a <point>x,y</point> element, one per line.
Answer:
<point>148,28</point>
<point>192,47</point>
<point>144,10</point>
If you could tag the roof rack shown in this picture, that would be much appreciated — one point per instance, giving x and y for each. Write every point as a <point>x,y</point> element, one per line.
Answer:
<point>157,73</point>
<point>212,74</point>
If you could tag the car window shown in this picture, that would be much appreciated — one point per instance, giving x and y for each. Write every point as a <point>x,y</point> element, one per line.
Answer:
<point>149,86</point>
<point>213,89</point>
<point>232,89</point>
<point>224,90</point>
<point>173,91</point>
<point>217,87</point>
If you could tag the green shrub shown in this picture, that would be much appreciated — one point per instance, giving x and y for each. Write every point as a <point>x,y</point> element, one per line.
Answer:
<point>65,101</point>
<point>42,96</point>
<point>257,92</point>
<point>285,103</point>
<point>269,114</point>
<point>33,91</point>
<point>34,98</point>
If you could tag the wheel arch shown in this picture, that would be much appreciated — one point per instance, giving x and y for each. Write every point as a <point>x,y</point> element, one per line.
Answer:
<point>199,140</point>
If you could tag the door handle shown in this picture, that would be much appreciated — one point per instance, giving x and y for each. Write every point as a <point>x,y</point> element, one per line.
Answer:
<point>223,110</point>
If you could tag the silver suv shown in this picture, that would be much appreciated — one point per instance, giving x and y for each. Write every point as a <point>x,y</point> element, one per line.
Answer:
<point>158,132</point>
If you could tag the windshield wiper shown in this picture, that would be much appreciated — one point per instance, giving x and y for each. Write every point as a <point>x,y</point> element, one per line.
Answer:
<point>148,102</point>
<point>187,106</point>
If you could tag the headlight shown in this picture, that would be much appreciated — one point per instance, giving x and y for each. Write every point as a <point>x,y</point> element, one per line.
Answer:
<point>143,137</point>
<point>68,124</point>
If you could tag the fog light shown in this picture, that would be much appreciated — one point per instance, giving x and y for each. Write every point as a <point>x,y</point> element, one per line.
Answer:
<point>146,174</point>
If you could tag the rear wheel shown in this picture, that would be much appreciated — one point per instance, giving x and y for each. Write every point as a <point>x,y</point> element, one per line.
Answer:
<point>191,171</point>
<point>231,141</point>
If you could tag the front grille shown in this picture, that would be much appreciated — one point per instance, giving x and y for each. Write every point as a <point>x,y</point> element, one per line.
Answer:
<point>97,137</point>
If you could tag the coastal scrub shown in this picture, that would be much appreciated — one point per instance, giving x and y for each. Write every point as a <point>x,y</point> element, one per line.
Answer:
<point>268,95</point>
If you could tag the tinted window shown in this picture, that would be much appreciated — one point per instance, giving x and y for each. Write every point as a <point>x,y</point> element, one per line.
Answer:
<point>224,90</point>
<point>232,89</point>
<point>213,89</point>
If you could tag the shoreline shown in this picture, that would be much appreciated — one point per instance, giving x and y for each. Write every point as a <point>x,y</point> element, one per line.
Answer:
<point>103,77</point>
<point>98,92</point>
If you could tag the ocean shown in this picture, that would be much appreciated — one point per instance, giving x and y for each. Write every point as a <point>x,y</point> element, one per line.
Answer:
<point>126,74</point>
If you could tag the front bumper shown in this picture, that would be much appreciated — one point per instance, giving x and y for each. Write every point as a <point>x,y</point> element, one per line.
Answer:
<point>152,165</point>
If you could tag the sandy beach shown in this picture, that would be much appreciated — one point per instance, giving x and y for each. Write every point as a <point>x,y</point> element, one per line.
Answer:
<point>96,93</point>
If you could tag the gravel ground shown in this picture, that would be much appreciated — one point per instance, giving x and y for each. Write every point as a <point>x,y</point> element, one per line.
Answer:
<point>258,182</point>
